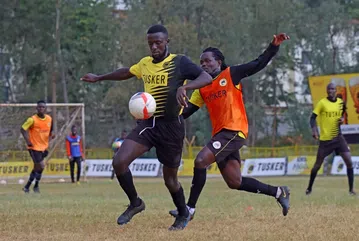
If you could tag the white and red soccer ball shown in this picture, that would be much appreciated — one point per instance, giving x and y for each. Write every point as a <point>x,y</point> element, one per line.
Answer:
<point>142,105</point>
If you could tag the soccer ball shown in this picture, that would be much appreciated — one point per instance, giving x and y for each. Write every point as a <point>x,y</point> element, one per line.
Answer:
<point>116,145</point>
<point>142,105</point>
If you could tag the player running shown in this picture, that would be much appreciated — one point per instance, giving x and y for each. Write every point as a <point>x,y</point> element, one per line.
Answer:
<point>224,102</point>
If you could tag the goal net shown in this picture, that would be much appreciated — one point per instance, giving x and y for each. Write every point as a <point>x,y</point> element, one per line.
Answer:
<point>15,161</point>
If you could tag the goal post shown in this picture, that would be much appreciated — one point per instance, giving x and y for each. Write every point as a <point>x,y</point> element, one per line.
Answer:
<point>13,152</point>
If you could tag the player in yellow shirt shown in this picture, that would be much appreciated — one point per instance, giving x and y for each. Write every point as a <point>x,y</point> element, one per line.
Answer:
<point>163,74</point>
<point>330,111</point>
<point>37,131</point>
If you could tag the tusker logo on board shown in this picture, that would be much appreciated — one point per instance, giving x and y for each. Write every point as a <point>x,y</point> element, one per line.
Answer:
<point>264,167</point>
<point>339,167</point>
<point>145,167</point>
<point>15,169</point>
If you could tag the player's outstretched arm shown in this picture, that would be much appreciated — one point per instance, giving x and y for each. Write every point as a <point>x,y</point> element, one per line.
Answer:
<point>120,74</point>
<point>313,125</point>
<point>189,110</point>
<point>202,80</point>
<point>239,72</point>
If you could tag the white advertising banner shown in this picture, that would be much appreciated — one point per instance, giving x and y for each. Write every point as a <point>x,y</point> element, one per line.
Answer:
<point>339,167</point>
<point>264,167</point>
<point>141,167</point>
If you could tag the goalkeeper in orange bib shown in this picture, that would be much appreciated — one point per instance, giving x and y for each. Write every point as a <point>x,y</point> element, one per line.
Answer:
<point>224,102</point>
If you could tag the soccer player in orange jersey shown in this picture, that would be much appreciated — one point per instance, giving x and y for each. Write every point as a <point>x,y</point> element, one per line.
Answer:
<point>224,102</point>
<point>37,131</point>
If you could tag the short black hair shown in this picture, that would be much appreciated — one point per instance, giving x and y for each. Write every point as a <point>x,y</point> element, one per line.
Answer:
<point>74,126</point>
<point>218,55</point>
<point>41,102</point>
<point>157,28</point>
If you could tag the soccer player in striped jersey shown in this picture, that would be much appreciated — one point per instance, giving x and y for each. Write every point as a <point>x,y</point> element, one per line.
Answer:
<point>163,74</point>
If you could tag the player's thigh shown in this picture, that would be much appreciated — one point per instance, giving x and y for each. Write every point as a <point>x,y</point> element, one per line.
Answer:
<point>325,149</point>
<point>343,150</point>
<point>224,144</point>
<point>129,151</point>
<point>78,161</point>
<point>38,159</point>
<point>169,142</point>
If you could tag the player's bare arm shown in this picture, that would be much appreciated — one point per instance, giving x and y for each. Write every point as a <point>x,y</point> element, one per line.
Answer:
<point>202,80</point>
<point>25,134</point>
<point>120,74</point>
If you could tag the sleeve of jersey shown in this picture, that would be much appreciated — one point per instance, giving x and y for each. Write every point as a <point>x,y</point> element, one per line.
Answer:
<point>136,70</point>
<point>318,108</point>
<point>196,99</point>
<point>28,123</point>
<point>68,148</point>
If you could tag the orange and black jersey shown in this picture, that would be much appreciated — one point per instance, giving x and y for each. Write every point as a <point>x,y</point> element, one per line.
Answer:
<point>223,97</point>
<point>162,80</point>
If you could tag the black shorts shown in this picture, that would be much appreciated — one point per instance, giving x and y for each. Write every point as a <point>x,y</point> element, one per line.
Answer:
<point>225,146</point>
<point>166,135</point>
<point>338,144</point>
<point>38,156</point>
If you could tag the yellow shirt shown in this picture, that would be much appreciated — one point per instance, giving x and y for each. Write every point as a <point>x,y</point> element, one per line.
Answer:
<point>329,114</point>
<point>162,80</point>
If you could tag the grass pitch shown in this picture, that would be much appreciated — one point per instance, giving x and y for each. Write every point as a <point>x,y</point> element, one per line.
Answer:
<point>64,211</point>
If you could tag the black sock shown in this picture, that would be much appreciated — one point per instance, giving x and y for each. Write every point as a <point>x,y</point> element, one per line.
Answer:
<point>255,186</point>
<point>198,182</point>
<point>126,182</point>
<point>350,174</point>
<point>31,179</point>
<point>38,175</point>
<point>72,167</point>
<point>180,202</point>
<point>78,170</point>
<point>313,174</point>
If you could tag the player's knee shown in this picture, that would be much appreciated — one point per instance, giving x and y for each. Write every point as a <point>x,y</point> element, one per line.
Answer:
<point>119,164</point>
<point>200,162</point>
<point>172,184</point>
<point>349,165</point>
<point>234,183</point>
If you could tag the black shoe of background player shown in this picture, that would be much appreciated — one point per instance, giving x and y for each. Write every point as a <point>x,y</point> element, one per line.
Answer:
<point>131,211</point>
<point>308,192</point>
<point>26,190</point>
<point>36,190</point>
<point>283,200</point>
<point>352,193</point>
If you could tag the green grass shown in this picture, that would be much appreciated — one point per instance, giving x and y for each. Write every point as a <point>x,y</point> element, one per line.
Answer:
<point>64,211</point>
